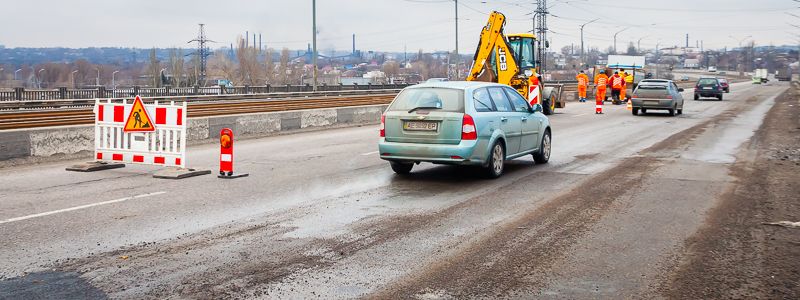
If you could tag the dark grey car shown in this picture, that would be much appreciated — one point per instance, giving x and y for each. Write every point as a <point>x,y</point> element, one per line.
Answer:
<point>657,94</point>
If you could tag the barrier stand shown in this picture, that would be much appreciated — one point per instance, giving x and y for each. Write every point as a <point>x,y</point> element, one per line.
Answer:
<point>139,138</point>
<point>226,155</point>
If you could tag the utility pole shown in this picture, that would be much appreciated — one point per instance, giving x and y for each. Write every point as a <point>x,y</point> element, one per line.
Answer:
<point>541,34</point>
<point>203,52</point>
<point>458,74</point>
<point>314,40</point>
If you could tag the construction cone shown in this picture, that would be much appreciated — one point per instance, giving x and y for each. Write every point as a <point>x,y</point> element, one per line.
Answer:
<point>630,105</point>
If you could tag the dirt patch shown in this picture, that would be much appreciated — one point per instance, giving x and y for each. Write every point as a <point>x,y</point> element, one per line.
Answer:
<point>736,256</point>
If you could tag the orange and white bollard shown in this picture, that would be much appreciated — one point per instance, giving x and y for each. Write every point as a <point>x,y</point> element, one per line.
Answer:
<point>599,97</point>
<point>630,104</point>
<point>226,155</point>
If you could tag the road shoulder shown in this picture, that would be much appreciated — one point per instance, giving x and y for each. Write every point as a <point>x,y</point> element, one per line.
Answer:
<point>736,254</point>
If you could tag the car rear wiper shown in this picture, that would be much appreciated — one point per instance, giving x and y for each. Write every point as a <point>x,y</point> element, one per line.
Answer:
<point>423,107</point>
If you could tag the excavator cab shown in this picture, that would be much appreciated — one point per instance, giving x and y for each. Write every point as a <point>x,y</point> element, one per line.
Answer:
<point>523,46</point>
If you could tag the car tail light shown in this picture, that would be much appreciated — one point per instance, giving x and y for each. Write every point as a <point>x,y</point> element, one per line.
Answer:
<point>468,131</point>
<point>383,126</point>
<point>668,97</point>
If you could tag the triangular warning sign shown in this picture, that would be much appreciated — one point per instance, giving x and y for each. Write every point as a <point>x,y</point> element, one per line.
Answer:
<point>138,119</point>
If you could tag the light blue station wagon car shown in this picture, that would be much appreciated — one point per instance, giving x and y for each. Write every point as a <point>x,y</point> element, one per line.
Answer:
<point>462,123</point>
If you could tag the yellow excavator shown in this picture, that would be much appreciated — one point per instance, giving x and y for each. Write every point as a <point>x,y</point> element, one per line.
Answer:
<point>511,60</point>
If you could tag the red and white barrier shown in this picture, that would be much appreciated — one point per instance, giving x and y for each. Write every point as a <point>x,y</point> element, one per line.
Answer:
<point>158,138</point>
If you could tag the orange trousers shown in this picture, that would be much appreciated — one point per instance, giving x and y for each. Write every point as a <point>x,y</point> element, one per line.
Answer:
<point>622,94</point>
<point>601,93</point>
<point>582,91</point>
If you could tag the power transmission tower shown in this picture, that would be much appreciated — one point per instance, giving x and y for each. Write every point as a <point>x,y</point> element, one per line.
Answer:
<point>541,34</point>
<point>203,52</point>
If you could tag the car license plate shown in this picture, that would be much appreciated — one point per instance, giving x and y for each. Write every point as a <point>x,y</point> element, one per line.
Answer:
<point>421,126</point>
<point>651,102</point>
<point>707,88</point>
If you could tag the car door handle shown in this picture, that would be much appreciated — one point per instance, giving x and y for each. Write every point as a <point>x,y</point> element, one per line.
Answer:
<point>503,119</point>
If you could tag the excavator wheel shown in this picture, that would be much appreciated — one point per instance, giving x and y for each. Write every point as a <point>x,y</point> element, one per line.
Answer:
<point>549,105</point>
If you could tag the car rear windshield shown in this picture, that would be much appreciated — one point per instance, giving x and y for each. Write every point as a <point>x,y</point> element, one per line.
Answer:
<point>439,99</point>
<point>652,87</point>
<point>707,81</point>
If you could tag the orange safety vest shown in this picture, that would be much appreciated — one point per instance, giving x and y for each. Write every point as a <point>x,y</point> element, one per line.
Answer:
<point>601,81</point>
<point>617,82</point>
<point>583,79</point>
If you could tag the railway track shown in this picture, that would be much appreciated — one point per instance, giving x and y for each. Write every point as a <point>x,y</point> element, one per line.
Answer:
<point>47,113</point>
<point>85,115</point>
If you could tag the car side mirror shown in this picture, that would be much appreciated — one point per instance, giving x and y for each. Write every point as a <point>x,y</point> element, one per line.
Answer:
<point>680,90</point>
<point>537,108</point>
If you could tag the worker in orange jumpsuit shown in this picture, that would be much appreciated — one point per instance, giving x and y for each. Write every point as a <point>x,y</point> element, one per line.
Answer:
<point>583,82</point>
<point>617,84</point>
<point>624,90</point>
<point>600,83</point>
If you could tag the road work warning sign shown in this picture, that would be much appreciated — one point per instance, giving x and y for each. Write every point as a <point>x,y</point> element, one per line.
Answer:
<point>138,119</point>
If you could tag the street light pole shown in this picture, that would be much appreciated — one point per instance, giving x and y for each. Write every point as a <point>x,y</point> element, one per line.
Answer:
<point>314,40</point>
<point>97,81</point>
<point>584,24</point>
<point>456,62</point>
<point>615,39</point>
<point>73,78</point>
<point>639,44</point>
<point>113,81</point>
<point>15,73</point>
<point>39,77</point>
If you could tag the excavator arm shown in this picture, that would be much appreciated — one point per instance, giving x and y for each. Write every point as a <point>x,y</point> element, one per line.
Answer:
<point>494,60</point>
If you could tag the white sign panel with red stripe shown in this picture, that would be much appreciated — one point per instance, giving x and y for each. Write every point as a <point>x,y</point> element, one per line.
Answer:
<point>130,131</point>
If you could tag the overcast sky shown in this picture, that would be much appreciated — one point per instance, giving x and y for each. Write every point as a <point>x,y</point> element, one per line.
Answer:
<point>391,25</point>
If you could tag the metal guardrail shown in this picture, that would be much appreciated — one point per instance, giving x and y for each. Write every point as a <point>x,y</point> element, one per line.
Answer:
<point>79,103</point>
<point>20,94</point>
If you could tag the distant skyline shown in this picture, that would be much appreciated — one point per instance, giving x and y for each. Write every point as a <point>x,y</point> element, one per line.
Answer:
<point>392,25</point>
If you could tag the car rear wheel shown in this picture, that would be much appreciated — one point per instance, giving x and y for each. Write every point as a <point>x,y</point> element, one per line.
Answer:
<point>671,111</point>
<point>635,111</point>
<point>644,110</point>
<point>543,155</point>
<point>696,97</point>
<point>719,97</point>
<point>680,111</point>
<point>401,168</point>
<point>496,161</point>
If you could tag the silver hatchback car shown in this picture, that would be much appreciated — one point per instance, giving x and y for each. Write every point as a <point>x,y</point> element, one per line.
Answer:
<point>462,123</point>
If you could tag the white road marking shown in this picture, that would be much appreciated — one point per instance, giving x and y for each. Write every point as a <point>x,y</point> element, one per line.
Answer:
<point>578,115</point>
<point>79,207</point>
<point>369,153</point>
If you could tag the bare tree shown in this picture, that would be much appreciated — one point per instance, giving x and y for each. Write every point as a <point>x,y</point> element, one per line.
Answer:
<point>249,69</point>
<point>391,68</point>
<point>154,69</point>
<point>631,49</point>
<point>176,65</point>
<point>221,66</point>
<point>283,67</point>
<point>269,65</point>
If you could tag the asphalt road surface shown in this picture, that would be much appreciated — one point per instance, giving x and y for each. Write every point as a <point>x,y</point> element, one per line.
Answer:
<point>322,216</point>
